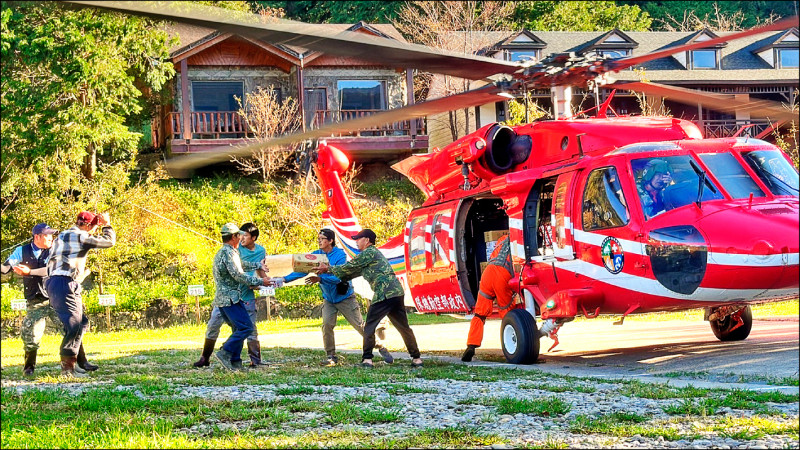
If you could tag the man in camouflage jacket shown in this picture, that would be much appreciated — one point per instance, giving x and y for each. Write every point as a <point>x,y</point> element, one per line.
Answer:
<point>388,299</point>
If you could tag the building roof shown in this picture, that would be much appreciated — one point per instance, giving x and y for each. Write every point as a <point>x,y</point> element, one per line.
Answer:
<point>190,36</point>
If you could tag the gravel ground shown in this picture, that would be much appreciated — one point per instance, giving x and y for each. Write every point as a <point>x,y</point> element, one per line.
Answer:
<point>442,410</point>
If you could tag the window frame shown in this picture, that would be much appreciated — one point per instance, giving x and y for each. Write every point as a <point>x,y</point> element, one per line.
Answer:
<point>384,93</point>
<point>195,83</point>
<point>625,220</point>
<point>779,61</point>
<point>537,53</point>
<point>693,65</point>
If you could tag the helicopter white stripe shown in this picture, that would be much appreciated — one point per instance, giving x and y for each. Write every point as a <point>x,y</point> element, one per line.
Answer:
<point>628,246</point>
<point>652,287</point>
<point>722,259</point>
<point>738,259</point>
<point>517,250</point>
<point>515,224</point>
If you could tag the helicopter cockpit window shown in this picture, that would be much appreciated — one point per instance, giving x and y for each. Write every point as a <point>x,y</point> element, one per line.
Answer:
<point>416,248</point>
<point>440,240</point>
<point>604,204</point>
<point>666,183</point>
<point>774,170</point>
<point>732,175</point>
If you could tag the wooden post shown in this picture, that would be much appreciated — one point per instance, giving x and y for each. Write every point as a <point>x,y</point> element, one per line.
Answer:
<point>186,109</point>
<point>19,320</point>
<point>269,312</point>
<point>108,308</point>
<point>197,307</point>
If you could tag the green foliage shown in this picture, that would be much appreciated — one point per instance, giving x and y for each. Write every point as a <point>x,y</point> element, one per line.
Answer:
<point>336,11</point>
<point>594,15</point>
<point>546,407</point>
<point>752,11</point>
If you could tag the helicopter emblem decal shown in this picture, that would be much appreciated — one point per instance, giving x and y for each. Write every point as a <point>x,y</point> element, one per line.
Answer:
<point>613,257</point>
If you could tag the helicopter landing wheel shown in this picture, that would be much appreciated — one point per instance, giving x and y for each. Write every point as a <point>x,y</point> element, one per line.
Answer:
<point>519,337</point>
<point>724,328</point>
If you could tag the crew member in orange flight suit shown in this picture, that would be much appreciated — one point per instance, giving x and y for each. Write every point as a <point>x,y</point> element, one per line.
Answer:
<point>493,287</point>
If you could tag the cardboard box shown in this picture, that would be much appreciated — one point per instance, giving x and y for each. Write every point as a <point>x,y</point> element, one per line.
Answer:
<point>483,265</point>
<point>494,235</point>
<point>305,262</point>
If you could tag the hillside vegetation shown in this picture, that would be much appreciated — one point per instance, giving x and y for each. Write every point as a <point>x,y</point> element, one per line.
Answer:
<point>168,232</point>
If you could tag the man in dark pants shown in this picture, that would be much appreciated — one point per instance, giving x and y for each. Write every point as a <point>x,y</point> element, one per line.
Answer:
<point>229,276</point>
<point>67,269</point>
<point>388,298</point>
<point>29,261</point>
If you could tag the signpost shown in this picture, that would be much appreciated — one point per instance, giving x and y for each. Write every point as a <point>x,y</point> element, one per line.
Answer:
<point>268,292</point>
<point>19,305</point>
<point>197,290</point>
<point>107,300</point>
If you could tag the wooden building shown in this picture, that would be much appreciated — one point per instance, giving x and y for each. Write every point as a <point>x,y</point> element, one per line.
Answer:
<point>214,69</point>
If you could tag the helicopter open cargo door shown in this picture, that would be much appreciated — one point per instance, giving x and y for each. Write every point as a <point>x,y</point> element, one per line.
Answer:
<point>432,260</point>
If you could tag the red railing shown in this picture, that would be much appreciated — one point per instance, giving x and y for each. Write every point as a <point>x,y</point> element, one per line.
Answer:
<point>402,128</point>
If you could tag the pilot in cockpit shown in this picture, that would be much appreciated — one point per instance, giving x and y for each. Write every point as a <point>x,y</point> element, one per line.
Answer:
<point>657,175</point>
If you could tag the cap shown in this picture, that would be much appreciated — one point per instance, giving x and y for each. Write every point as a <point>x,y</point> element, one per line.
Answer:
<point>86,217</point>
<point>367,233</point>
<point>328,233</point>
<point>43,228</point>
<point>653,167</point>
<point>229,228</point>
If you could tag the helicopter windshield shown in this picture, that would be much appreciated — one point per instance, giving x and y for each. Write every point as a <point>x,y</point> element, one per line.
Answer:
<point>774,170</point>
<point>666,183</point>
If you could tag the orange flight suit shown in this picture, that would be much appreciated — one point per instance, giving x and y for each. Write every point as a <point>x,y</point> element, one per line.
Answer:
<point>493,286</point>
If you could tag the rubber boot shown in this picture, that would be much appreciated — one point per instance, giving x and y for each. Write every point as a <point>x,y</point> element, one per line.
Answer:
<point>208,349</point>
<point>254,351</point>
<point>68,367</point>
<point>468,353</point>
<point>83,363</point>
<point>30,363</point>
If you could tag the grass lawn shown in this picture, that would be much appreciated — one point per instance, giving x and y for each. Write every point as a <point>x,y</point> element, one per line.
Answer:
<point>140,399</point>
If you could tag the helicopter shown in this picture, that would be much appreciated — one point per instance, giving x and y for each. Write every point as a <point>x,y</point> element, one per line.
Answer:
<point>570,193</point>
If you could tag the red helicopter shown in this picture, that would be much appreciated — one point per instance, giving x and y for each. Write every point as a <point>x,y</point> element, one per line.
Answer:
<point>605,215</point>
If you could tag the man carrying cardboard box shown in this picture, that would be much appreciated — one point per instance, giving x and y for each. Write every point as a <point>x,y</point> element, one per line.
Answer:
<point>338,296</point>
<point>388,299</point>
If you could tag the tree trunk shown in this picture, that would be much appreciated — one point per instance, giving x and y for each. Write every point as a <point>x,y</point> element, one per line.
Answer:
<point>90,163</point>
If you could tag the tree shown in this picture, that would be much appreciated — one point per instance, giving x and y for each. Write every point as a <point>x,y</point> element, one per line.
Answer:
<point>267,117</point>
<point>72,88</point>
<point>594,15</point>
<point>750,13</point>
<point>336,11</point>
<point>458,26</point>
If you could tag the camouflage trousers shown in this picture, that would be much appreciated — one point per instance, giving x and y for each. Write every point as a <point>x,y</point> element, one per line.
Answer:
<point>34,324</point>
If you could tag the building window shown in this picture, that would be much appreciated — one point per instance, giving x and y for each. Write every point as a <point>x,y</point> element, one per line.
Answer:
<point>704,59</point>
<point>217,95</point>
<point>522,55</point>
<point>361,94</point>
<point>614,53</point>
<point>787,58</point>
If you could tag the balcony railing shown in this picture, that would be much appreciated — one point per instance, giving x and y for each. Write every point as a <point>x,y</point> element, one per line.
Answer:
<point>209,125</point>
<point>230,125</point>
<point>403,128</point>
<point>729,127</point>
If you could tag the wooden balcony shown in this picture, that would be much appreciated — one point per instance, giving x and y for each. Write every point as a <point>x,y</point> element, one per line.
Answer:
<point>411,127</point>
<point>729,127</point>
<point>211,130</point>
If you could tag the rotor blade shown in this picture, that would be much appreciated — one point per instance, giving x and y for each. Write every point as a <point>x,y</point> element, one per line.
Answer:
<point>624,63</point>
<point>725,103</point>
<point>180,165</point>
<point>315,37</point>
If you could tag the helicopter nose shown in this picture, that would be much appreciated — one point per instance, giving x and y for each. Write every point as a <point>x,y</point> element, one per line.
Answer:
<point>754,247</point>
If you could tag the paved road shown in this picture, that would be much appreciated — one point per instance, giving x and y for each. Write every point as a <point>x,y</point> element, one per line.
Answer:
<point>597,347</point>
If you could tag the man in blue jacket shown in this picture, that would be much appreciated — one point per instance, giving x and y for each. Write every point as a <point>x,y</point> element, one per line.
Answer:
<point>338,296</point>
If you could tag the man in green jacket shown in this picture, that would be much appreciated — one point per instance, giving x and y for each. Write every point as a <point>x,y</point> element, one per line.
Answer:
<point>388,299</point>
